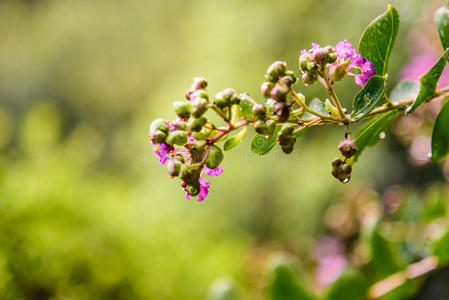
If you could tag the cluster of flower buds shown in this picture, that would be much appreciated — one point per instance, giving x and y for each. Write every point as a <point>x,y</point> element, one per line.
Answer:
<point>286,139</point>
<point>276,88</point>
<point>334,63</point>
<point>177,145</point>
<point>341,168</point>
<point>263,125</point>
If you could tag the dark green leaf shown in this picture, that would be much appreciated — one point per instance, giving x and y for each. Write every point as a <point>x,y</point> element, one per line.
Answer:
<point>246,105</point>
<point>442,22</point>
<point>287,283</point>
<point>440,135</point>
<point>351,284</point>
<point>235,140</point>
<point>318,106</point>
<point>441,249</point>
<point>378,39</point>
<point>404,90</point>
<point>385,254</point>
<point>261,145</point>
<point>368,98</point>
<point>371,132</point>
<point>429,82</point>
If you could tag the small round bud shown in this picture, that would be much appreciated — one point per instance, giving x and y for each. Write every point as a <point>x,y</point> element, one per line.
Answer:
<point>271,125</point>
<point>214,157</point>
<point>157,136</point>
<point>173,167</point>
<point>189,174</point>
<point>228,94</point>
<point>303,60</point>
<point>235,100</point>
<point>195,124</point>
<point>180,124</point>
<point>224,98</point>
<point>311,66</point>
<point>320,57</point>
<point>276,70</point>
<point>288,148</point>
<point>159,124</point>
<point>203,134</point>
<point>287,129</point>
<point>287,81</point>
<point>346,169</point>
<point>309,78</point>
<point>199,107</point>
<point>265,89</point>
<point>199,94</point>
<point>199,83</point>
<point>194,189</point>
<point>337,162</point>
<point>282,111</point>
<point>182,109</point>
<point>259,111</point>
<point>347,148</point>
<point>196,152</point>
<point>338,72</point>
<point>332,57</point>
<point>261,127</point>
<point>279,92</point>
<point>177,137</point>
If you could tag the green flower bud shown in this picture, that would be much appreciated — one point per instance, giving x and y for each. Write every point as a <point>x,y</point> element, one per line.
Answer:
<point>320,57</point>
<point>203,134</point>
<point>177,137</point>
<point>339,72</point>
<point>196,152</point>
<point>221,101</point>
<point>303,60</point>
<point>309,78</point>
<point>182,109</point>
<point>195,124</point>
<point>159,124</point>
<point>287,129</point>
<point>194,189</point>
<point>199,107</point>
<point>199,83</point>
<point>259,111</point>
<point>157,136</point>
<point>271,125</point>
<point>288,148</point>
<point>180,124</point>
<point>332,58</point>
<point>279,92</point>
<point>214,157</point>
<point>228,94</point>
<point>189,174</point>
<point>337,162</point>
<point>346,169</point>
<point>347,148</point>
<point>179,158</point>
<point>311,66</point>
<point>265,89</point>
<point>276,70</point>
<point>199,94</point>
<point>341,170</point>
<point>261,127</point>
<point>173,167</point>
<point>282,111</point>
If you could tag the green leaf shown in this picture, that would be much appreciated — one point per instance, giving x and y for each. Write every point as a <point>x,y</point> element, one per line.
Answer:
<point>378,39</point>
<point>351,284</point>
<point>287,283</point>
<point>223,289</point>
<point>318,106</point>
<point>246,105</point>
<point>440,134</point>
<point>235,140</point>
<point>331,109</point>
<point>404,90</point>
<point>368,98</point>
<point>441,249</point>
<point>371,132</point>
<point>236,114</point>
<point>442,22</point>
<point>385,255</point>
<point>429,82</point>
<point>261,145</point>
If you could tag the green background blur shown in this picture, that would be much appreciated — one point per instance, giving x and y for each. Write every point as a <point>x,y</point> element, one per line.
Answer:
<point>86,211</point>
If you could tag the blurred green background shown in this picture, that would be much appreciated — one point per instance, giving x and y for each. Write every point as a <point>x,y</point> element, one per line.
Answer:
<point>86,212</point>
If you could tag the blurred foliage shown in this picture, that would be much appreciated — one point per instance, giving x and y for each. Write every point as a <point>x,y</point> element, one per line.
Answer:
<point>86,212</point>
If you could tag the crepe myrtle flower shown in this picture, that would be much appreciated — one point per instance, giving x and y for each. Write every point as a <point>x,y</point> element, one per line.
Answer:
<point>163,151</point>
<point>213,172</point>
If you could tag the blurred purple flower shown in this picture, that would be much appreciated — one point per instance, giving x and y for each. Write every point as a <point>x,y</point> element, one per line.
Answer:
<point>329,253</point>
<point>213,172</point>
<point>162,151</point>
<point>419,65</point>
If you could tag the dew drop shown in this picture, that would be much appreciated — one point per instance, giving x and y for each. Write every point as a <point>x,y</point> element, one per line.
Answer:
<point>408,110</point>
<point>382,135</point>
<point>345,180</point>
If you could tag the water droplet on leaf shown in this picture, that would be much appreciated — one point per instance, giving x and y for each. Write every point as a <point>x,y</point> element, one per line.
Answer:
<point>382,135</point>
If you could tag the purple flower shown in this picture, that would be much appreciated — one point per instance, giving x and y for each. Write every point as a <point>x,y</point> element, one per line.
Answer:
<point>344,49</point>
<point>213,172</point>
<point>419,65</point>
<point>191,139</point>
<point>162,152</point>
<point>204,190</point>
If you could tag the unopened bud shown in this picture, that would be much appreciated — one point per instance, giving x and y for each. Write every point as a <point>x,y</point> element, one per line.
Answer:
<point>261,127</point>
<point>214,157</point>
<point>282,111</point>
<point>195,124</point>
<point>259,111</point>
<point>265,89</point>
<point>182,109</point>
<point>157,136</point>
<point>309,78</point>
<point>347,148</point>
<point>276,70</point>
<point>279,92</point>
<point>194,189</point>
<point>159,124</point>
<point>189,174</point>
<point>173,167</point>
<point>303,60</point>
<point>199,83</point>
<point>338,72</point>
<point>199,107</point>
<point>199,94</point>
<point>177,137</point>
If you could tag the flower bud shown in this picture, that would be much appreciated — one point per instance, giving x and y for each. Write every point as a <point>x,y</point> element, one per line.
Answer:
<point>311,66</point>
<point>157,136</point>
<point>276,70</point>
<point>199,83</point>
<point>214,157</point>
<point>332,58</point>
<point>309,78</point>
<point>173,167</point>
<point>196,152</point>
<point>261,127</point>
<point>282,111</point>
<point>159,124</point>
<point>265,89</point>
<point>287,129</point>
<point>189,174</point>
<point>195,124</point>
<point>259,111</point>
<point>235,100</point>
<point>223,98</point>
<point>320,57</point>
<point>347,148</point>
<point>199,107</point>
<point>341,170</point>
<point>228,94</point>
<point>303,60</point>
<point>338,72</point>
<point>199,94</point>
<point>271,125</point>
<point>279,92</point>
<point>188,94</point>
<point>182,109</point>
<point>203,134</point>
<point>337,162</point>
<point>180,124</point>
<point>194,189</point>
<point>177,137</point>
<point>288,148</point>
